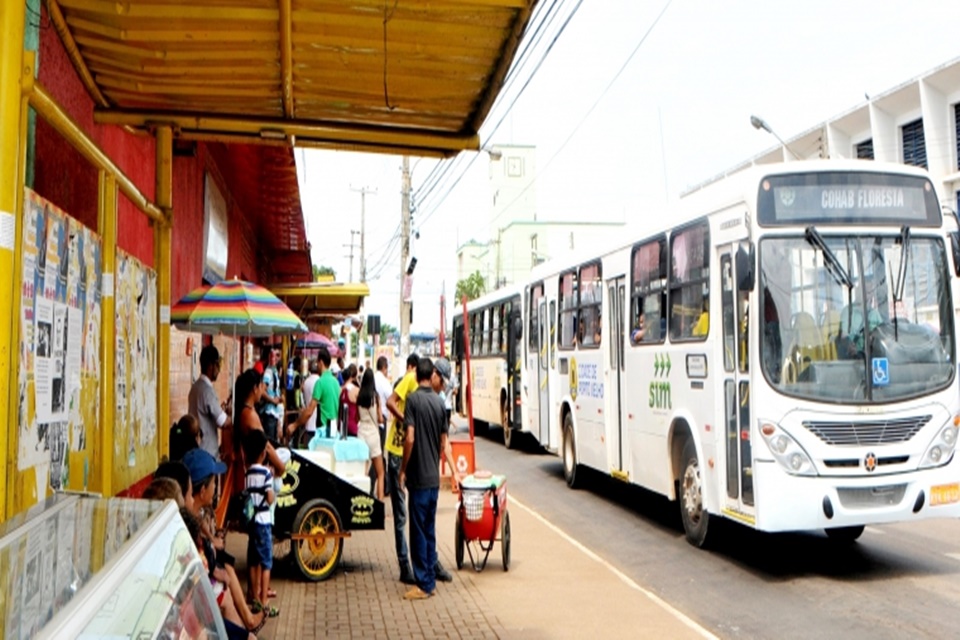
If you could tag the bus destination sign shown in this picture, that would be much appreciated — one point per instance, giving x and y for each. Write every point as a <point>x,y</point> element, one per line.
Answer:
<point>845,198</point>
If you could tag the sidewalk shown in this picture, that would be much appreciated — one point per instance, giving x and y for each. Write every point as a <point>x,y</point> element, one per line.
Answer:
<point>554,589</point>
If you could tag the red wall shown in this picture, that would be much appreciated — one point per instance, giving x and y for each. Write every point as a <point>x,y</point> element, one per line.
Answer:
<point>63,176</point>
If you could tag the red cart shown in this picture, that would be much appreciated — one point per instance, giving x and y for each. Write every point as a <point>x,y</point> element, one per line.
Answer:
<point>482,519</point>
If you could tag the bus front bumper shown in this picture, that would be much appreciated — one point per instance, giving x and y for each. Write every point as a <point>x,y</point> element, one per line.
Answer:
<point>794,503</point>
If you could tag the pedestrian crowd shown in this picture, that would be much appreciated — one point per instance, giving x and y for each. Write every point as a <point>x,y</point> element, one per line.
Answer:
<point>405,426</point>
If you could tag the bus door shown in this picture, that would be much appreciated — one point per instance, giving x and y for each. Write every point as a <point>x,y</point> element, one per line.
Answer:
<point>615,379</point>
<point>736,388</point>
<point>544,330</point>
<point>514,366</point>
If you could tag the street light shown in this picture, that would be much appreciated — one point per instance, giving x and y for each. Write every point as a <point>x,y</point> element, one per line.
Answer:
<point>760,123</point>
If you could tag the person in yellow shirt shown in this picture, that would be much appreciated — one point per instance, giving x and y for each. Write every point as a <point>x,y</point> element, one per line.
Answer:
<point>702,327</point>
<point>393,446</point>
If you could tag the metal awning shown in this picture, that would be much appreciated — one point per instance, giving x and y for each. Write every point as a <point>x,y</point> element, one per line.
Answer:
<point>415,77</point>
<point>314,299</point>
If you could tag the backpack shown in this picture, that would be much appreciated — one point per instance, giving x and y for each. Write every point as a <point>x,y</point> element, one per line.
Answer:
<point>244,506</point>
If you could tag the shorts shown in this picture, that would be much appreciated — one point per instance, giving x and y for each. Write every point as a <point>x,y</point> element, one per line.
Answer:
<point>269,423</point>
<point>260,546</point>
<point>370,433</point>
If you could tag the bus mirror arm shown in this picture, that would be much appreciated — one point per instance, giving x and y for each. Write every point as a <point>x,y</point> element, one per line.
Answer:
<point>955,245</point>
<point>518,327</point>
<point>746,272</point>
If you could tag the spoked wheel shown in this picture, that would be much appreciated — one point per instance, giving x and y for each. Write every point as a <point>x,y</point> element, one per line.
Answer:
<point>317,558</point>
<point>460,543</point>
<point>570,465</point>
<point>695,517</point>
<point>508,440</point>
<point>505,539</point>
<point>845,535</point>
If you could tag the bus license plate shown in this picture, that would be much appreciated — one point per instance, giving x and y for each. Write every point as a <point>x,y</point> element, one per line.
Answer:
<point>944,494</point>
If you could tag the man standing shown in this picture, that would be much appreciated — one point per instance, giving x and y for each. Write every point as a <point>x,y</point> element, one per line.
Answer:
<point>310,429</point>
<point>394,450</point>
<point>384,390</point>
<point>271,414</point>
<point>425,440</point>
<point>325,398</point>
<point>204,404</point>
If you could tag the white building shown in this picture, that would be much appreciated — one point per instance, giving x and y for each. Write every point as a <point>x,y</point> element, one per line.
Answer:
<point>519,237</point>
<point>916,123</point>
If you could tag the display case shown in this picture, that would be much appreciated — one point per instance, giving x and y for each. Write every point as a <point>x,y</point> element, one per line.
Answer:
<point>87,567</point>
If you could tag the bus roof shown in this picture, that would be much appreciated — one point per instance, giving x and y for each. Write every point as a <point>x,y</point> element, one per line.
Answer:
<point>499,295</point>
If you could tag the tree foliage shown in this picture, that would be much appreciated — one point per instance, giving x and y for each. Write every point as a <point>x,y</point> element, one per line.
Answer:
<point>473,286</point>
<point>323,271</point>
<point>387,330</point>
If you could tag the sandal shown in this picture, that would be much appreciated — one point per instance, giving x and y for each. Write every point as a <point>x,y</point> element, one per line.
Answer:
<point>271,611</point>
<point>255,606</point>
<point>271,593</point>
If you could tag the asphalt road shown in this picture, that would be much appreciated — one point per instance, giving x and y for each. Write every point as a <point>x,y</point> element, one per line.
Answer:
<point>897,581</point>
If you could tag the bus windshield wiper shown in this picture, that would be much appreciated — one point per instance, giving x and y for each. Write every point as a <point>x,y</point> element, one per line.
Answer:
<point>904,255</point>
<point>829,258</point>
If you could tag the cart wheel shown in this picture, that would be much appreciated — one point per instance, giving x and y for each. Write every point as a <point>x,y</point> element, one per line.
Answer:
<point>317,559</point>
<point>460,542</point>
<point>505,539</point>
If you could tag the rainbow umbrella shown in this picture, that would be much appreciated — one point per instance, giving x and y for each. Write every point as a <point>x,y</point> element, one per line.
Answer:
<point>235,307</point>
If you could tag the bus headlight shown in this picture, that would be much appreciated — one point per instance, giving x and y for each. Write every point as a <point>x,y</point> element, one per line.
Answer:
<point>941,449</point>
<point>787,451</point>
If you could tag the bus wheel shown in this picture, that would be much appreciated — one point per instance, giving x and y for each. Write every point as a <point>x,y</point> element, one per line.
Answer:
<point>844,535</point>
<point>508,440</point>
<point>570,466</point>
<point>695,518</point>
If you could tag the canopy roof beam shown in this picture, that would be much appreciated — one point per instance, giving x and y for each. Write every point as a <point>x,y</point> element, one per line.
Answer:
<point>300,133</point>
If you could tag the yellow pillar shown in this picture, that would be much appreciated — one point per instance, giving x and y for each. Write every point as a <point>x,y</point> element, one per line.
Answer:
<point>107,226</point>
<point>12,17</point>
<point>163,234</point>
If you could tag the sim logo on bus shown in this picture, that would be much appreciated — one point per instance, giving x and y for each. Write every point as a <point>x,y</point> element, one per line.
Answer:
<point>870,462</point>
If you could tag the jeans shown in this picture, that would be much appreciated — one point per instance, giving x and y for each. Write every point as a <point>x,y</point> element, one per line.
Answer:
<point>423,536</point>
<point>398,502</point>
<point>269,423</point>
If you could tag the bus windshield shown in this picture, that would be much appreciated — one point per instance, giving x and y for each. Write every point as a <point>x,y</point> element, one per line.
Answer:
<point>818,289</point>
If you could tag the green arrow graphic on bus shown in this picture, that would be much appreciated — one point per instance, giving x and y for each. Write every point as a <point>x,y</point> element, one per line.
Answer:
<point>656,365</point>
<point>667,364</point>
<point>661,365</point>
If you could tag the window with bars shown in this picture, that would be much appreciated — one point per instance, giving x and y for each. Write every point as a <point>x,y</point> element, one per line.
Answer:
<point>914,148</point>
<point>956,119</point>
<point>865,150</point>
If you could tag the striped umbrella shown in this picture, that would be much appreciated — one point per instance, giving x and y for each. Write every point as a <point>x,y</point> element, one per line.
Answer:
<point>235,307</point>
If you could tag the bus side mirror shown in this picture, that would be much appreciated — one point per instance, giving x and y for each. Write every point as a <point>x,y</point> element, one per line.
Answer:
<point>955,245</point>
<point>746,272</point>
<point>518,327</point>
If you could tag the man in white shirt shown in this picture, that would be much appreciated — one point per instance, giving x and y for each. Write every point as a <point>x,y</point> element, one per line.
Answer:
<point>310,428</point>
<point>205,406</point>
<point>384,389</point>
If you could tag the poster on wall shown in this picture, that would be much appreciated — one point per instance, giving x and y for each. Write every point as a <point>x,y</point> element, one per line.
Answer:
<point>136,383</point>
<point>59,352</point>
<point>214,232</point>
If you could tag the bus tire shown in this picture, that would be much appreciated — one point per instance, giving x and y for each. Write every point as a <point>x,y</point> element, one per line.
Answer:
<point>570,466</point>
<point>508,440</point>
<point>844,535</point>
<point>695,518</point>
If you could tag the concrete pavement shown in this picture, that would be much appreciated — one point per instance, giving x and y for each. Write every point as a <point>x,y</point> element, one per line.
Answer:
<point>555,588</point>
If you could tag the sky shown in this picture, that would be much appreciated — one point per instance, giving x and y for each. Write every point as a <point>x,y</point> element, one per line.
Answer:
<point>625,113</point>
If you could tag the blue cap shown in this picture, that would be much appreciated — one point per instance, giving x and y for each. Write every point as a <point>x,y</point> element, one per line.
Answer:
<point>202,465</point>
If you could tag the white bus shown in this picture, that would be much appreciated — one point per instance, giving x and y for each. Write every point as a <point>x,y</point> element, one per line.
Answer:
<point>754,390</point>
<point>496,368</point>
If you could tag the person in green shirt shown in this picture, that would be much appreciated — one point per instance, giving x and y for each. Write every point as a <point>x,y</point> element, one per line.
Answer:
<point>326,396</point>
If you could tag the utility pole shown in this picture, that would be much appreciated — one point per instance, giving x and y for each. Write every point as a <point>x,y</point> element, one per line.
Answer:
<point>352,245</point>
<point>363,191</point>
<point>404,257</point>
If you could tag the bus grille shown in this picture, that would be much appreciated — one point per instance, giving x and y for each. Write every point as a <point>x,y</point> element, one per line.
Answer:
<point>856,498</point>
<point>868,433</point>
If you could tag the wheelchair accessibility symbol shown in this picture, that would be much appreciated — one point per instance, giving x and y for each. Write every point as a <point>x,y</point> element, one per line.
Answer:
<point>881,372</point>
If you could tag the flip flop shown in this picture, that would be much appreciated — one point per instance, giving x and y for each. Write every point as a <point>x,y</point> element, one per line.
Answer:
<point>271,611</point>
<point>255,606</point>
<point>271,593</point>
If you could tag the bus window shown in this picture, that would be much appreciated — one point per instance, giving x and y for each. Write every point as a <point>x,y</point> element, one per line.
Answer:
<point>690,283</point>
<point>591,300</point>
<point>568,310</point>
<point>496,319</point>
<point>536,294</point>
<point>485,322</point>
<point>648,292</point>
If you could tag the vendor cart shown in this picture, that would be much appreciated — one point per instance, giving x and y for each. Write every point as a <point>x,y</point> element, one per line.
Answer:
<point>482,519</point>
<point>325,496</point>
